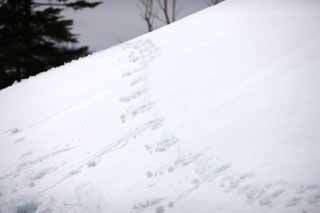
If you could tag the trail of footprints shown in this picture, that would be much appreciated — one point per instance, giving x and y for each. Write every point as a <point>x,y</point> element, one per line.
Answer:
<point>202,167</point>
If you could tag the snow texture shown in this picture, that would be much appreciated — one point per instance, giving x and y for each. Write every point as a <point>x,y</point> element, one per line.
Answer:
<point>218,112</point>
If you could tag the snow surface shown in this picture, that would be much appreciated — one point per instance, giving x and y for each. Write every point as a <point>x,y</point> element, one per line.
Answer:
<point>219,112</point>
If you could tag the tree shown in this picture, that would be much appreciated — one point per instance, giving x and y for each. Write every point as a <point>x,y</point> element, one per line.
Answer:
<point>168,10</point>
<point>34,37</point>
<point>164,11</point>
<point>147,7</point>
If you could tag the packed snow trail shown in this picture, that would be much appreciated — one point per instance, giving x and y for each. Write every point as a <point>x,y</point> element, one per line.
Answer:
<point>185,119</point>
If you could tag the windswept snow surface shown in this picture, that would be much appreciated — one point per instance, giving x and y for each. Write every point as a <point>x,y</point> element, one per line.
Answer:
<point>219,112</point>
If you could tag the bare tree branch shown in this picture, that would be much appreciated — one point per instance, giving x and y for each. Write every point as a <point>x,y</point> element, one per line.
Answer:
<point>76,5</point>
<point>174,10</point>
<point>147,7</point>
<point>163,11</point>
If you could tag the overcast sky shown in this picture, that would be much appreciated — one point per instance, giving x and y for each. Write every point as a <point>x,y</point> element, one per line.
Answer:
<point>117,20</point>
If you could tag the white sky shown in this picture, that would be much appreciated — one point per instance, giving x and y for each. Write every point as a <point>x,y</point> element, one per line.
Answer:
<point>117,20</point>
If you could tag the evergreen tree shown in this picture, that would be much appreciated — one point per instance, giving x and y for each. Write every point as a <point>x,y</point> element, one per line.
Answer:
<point>34,37</point>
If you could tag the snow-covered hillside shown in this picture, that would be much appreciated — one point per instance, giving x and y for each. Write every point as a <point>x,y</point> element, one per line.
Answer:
<point>219,112</point>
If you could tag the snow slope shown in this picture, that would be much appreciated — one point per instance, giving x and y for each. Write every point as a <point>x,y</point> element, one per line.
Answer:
<point>219,112</point>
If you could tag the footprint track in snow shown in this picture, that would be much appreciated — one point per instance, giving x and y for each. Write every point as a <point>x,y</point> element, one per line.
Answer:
<point>162,145</point>
<point>204,170</point>
<point>146,205</point>
<point>207,169</point>
<point>134,111</point>
<point>133,96</point>
<point>13,131</point>
<point>19,140</point>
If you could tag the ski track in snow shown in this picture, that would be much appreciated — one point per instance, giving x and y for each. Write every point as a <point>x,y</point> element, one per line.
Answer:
<point>189,170</point>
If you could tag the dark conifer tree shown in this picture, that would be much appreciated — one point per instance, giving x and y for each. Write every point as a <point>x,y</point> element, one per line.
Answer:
<point>34,37</point>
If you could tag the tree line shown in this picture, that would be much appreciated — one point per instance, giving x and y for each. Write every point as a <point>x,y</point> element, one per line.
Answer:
<point>34,37</point>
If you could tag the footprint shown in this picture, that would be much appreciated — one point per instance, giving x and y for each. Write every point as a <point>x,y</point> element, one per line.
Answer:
<point>46,211</point>
<point>19,140</point>
<point>91,164</point>
<point>26,154</point>
<point>314,199</point>
<point>137,81</point>
<point>222,168</point>
<point>229,183</point>
<point>129,74</point>
<point>160,209</point>
<point>294,201</point>
<point>165,144</point>
<point>29,207</point>
<point>271,193</point>
<point>265,201</point>
<point>147,204</point>
<point>171,204</point>
<point>246,176</point>
<point>133,96</point>
<point>149,174</point>
<point>14,131</point>
<point>251,192</point>
<point>277,193</point>
<point>42,174</point>
<point>75,172</point>
<point>171,169</point>
<point>195,182</point>
<point>162,146</point>
<point>306,188</point>
<point>133,112</point>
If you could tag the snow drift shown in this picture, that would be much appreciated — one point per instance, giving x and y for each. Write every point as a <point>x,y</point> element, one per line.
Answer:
<point>219,112</point>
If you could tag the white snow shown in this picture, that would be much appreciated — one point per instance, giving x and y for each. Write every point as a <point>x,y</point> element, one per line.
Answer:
<point>219,112</point>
